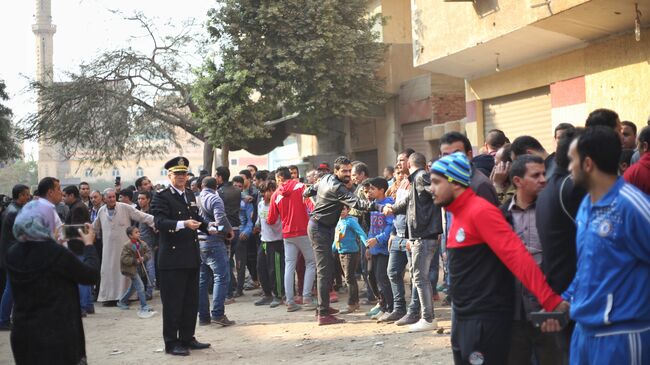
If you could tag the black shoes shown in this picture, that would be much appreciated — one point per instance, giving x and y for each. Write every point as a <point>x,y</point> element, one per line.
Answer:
<point>178,350</point>
<point>196,345</point>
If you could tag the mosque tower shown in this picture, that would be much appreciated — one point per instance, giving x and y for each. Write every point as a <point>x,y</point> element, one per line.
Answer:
<point>49,163</point>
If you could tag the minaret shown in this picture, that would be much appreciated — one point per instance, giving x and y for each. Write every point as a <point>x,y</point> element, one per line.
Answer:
<point>44,31</point>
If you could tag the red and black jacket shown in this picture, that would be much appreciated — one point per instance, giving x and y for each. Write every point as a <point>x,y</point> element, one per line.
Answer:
<point>484,253</point>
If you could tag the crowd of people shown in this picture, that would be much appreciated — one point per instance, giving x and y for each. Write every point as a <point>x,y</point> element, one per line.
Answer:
<point>515,230</point>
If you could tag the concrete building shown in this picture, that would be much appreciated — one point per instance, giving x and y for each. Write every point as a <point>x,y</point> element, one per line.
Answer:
<point>418,98</point>
<point>530,65</point>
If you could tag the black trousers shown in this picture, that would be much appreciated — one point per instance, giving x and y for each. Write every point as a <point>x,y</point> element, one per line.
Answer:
<point>350,262</point>
<point>274,254</point>
<point>179,292</point>
<point>528,341</point>
<point>473,340</point>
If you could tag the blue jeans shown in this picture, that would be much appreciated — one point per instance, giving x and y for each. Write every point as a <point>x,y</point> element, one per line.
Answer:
<point>85,294</point>
<point>6,305</point>
<point>138,286</point>
<point>396,266</point>
<point>150,265</point>
<point>215,265</point>
<point>422,251</point>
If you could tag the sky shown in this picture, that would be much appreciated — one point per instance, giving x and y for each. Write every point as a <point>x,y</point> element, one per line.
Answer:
<point>84,28</point>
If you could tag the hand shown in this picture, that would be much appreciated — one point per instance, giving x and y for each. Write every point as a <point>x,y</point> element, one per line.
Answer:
<point>248,199</point>
<point>192,224</point>
<point>368,255</point>
<point>139,260</point>
<point>500,173</point>
<point>371,242</point>
<point>408,245</point>
<point>388,209</point>
<point>243,236</point>
<point>88,237</point>
<point>257,229</point>
<point>230,235</point>
<point>553,325</point>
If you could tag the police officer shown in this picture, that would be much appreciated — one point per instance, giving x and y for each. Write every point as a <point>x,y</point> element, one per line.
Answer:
<point>177,218</point>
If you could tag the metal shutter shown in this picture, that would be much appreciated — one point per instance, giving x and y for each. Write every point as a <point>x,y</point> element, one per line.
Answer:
<point>413,137</point>
<point>524,113</point>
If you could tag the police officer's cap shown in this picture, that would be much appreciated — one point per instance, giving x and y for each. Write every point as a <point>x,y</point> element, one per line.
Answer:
<point>177,164</point>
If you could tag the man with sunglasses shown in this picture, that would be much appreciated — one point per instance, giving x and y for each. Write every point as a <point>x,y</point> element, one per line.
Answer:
<point>177,219</point>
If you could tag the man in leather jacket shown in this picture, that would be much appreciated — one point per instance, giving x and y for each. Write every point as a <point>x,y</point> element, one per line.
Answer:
<point>331,194</point>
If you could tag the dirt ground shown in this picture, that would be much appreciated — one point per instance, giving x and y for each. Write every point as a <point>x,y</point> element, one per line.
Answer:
<point>261,336</point>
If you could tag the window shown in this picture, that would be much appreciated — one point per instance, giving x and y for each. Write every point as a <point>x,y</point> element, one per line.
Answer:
<point>163,172</point>
<point>88,173</point>
<point>116,172</point>
<point>234,161</point>
<point>139,172</point>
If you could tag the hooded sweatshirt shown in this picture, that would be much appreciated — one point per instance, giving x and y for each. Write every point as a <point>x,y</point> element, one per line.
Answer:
<point>288,203</point>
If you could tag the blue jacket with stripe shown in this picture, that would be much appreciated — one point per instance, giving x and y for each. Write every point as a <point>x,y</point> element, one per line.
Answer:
<point>611,290</point>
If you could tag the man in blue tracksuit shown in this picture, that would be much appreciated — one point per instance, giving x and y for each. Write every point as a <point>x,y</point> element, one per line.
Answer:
<point>610,294</point>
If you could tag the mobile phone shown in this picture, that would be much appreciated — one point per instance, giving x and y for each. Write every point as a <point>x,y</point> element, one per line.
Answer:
<point>118,180</point>
<point>71,231</point>
<point>540,317</point>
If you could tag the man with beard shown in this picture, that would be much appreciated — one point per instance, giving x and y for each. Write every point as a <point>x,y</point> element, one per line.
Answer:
<point>331,194</point>
<point>483,254</point>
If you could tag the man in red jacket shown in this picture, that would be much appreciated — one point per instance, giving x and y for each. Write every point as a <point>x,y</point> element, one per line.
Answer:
<point>287,203</point>
<point>639,173</point>
<point>483,253</point>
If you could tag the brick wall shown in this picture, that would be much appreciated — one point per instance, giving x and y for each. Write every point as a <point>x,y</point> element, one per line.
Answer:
<point>447,107</point>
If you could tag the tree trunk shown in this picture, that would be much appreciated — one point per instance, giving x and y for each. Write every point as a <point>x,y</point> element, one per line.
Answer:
<point>225,152</point>
<point>208,157</point>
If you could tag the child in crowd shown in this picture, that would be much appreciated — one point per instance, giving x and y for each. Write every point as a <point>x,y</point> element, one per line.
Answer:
<point>377,243</point>
<point>134,254</point>
<point>272,249</point>
<point>346,237</point>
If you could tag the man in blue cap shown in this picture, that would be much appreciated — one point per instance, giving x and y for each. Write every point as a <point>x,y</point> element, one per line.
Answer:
<point>177,218</point>
<point>484,253</point>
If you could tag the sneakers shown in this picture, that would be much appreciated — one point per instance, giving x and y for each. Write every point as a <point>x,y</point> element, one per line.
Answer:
<point>378,315</point>
<point>309,304</point>
<point>374,310</point>
<point>204,322</point>
<point>122,305</point>
<point>264,301</point>
<point>391,317</point>
<point>349,309</point>
<point>275,302</point>
<point>144,314</point>
<point>330,319</point>
<point>147,308</point>
<point>223,321</point>
<point>292,307</point>
<point>422,325</point>
<point>407,319</point>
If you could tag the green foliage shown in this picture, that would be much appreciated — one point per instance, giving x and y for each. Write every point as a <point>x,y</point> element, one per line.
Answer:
<point>226,107</point>
<point>18,172</point>
<point>316,57</point>
<point>9,143</point>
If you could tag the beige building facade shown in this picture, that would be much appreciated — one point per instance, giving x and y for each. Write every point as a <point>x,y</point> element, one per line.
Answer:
<point>530,65</point>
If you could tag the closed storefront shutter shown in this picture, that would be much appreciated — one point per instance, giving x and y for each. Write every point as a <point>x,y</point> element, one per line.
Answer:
<point>413,137</point>
<point>524,113</point>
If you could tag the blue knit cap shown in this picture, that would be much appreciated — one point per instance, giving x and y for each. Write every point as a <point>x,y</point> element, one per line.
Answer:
<point>454,167</point>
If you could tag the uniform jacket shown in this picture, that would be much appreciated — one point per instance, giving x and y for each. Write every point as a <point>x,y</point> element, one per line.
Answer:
<point>610,292</point>
<point>331,195</point>
<point>178,249</point>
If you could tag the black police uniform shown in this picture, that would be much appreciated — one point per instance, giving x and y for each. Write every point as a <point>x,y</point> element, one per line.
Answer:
<point>178,262</point>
